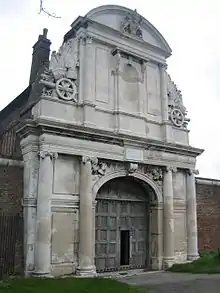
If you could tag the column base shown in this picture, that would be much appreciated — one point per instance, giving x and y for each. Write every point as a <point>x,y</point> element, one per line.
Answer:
<point>168,262</point>
<point>86,272</point>
<point>157,263</point>
<point>192,257</point>
<point>28,273</point>
<point>41,275</point>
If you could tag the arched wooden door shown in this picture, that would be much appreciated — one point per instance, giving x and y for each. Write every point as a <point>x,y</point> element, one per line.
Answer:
<point>122,226</point>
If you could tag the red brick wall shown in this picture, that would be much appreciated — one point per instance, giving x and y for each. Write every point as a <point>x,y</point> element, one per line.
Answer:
<point>11,189</point>
<point>208,214</point>
<point>11,220</point>
<point>10,142</point>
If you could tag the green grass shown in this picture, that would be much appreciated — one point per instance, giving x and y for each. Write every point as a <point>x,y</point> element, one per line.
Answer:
<point>208,263</point>
<point>66,285</point>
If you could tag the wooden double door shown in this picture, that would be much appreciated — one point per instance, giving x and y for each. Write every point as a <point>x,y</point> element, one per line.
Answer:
<point>122,214</point>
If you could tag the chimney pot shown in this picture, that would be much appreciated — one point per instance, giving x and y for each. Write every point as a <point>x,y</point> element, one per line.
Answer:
<point>45,31</point>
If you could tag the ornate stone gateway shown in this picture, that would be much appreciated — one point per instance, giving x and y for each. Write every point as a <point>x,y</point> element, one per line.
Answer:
<point>115,166</point>
<point>122,226</point>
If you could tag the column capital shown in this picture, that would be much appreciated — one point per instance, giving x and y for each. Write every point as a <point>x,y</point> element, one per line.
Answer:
<point>170,169</point>
<point>44,154</point>
<point>192,172</point>
<point>163,66</point>
<point>86,40</point>
<point>86,159</point>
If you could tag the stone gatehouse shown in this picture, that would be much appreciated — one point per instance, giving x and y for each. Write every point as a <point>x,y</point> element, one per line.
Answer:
<point>108,170</point>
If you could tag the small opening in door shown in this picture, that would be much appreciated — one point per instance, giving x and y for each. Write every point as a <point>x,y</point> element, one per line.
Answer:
<point>125,247</point>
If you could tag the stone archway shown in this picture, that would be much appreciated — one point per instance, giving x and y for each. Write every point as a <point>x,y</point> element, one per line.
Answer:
<point>127,207</point>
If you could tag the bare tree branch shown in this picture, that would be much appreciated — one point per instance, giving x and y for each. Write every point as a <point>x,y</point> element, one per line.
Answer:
<point>42,9</point>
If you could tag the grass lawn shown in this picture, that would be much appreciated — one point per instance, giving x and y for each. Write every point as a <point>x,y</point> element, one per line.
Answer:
<point>66,285</point>
<point>208,263</point>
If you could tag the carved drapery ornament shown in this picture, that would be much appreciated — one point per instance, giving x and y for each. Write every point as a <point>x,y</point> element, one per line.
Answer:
<point>135,66</point>
<point>132,24</point>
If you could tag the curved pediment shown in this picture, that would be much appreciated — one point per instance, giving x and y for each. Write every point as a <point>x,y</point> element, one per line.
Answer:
<point>130,23</point>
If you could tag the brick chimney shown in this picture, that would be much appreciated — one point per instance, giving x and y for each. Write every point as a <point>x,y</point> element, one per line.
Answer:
<point>40,56</point>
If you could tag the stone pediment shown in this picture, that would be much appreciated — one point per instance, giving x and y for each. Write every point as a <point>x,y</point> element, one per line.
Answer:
<point>130,23</point>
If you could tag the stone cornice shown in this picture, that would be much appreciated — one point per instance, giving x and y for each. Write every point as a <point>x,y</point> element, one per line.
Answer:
<point>207,181</point>
<point>11,163</point>
<point>110,36</point>
<point>113,37</point>
<point>41,126</point>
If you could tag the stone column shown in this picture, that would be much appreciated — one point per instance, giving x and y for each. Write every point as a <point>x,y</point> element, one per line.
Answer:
<point>86,260</point>
<point>31,165</point>
<point>156,223</point>
<point>43,224</point>
<point>192,238</point>
<point>168,218</point>
<point>93,224</point>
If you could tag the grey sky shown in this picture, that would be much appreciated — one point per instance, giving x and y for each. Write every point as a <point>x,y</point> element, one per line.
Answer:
<point>191,28</point>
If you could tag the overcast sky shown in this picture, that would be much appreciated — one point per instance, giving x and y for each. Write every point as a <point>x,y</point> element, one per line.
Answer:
<point>191,27</point>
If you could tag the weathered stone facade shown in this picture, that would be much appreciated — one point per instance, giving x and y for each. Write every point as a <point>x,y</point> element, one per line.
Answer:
<point>103,111</point>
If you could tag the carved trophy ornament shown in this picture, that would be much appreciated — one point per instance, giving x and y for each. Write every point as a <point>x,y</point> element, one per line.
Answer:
<point>132,24</point>
<point>98,168</point>
<point>61,77</point>
<point>176,110</point>
<point>155,173</point>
